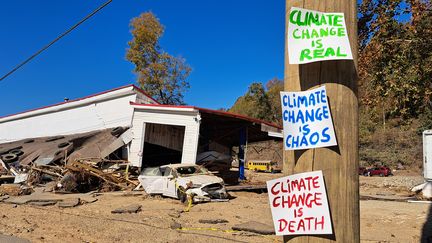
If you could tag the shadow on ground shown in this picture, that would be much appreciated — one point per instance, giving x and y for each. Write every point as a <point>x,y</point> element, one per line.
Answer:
<point>426,236</point>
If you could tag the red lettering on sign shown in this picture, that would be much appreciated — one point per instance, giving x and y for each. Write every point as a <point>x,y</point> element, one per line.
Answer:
<point>282,224</point>
<point>318,199</point>
<point>275,203</point>
<point>301,225</point>
<point>319,223</point>
<point>315,182</point>
<point>291,226</point>
<point>273,189</point>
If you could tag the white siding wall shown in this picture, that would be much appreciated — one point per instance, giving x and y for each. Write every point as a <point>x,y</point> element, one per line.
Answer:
<point>94,116</point>
<point>189,119</point>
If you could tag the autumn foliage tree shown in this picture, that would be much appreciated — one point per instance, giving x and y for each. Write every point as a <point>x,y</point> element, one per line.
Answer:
<point>395,56</point>
<point>159,74</point>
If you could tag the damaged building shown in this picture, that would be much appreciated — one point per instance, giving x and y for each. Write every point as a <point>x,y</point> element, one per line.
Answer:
<point>126,124</point>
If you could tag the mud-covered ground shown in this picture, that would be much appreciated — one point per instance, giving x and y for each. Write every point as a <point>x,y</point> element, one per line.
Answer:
<point>381,221</point>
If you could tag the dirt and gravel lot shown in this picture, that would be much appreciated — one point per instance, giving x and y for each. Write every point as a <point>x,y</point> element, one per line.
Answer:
<point>381,221</point>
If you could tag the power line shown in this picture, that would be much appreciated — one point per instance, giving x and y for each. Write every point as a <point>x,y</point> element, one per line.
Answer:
<point>55,40</point>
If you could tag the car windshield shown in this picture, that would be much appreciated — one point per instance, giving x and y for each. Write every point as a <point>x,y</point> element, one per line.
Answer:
<point>191,170</point>
<point>151,171</point>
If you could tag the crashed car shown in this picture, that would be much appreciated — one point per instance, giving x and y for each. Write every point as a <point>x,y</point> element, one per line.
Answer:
<point>181,181</point>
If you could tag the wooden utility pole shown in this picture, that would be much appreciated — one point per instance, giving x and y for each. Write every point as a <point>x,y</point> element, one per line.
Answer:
<point>339,164</point>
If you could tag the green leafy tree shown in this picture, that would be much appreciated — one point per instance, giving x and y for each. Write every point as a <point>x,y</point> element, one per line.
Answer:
<point>274,87</point>
<point>261,103</point>
<point>254,103</point>
<point>159,74</point>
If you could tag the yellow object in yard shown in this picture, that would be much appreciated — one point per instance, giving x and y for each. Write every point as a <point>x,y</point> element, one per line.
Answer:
<point>263,165</point>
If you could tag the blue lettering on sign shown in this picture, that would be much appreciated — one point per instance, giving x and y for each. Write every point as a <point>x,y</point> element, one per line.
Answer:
<point>289,103</point>
<point>306,129</point>
<point>314,138</point>
<point>287,141</point>
<point>302,100</point>
<point>325,135</point>
<point>312,99</point>
<point>309,115</point>
<point>323,96</point>
<point>300,117</point>
<point>285,100</point>
<point>303,111</point>
<point>285,115</point>
<point>325,112</point>
<point>291,116</point>
<point>318,114</point>
<point>306,139</point>
<point>295,141</point>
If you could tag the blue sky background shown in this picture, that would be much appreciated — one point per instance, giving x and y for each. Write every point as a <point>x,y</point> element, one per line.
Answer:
<point>229,44</point>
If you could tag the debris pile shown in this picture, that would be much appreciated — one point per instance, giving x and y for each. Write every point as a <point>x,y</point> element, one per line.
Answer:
<point>75,163</point>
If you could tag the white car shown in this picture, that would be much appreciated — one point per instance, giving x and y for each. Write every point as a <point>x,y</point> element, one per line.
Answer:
<point>180,180</point>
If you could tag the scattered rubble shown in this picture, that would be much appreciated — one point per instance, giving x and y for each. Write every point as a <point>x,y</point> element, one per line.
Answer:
<point>175,214</point>
<point>175,225</point>
<point>14,190</point>
<point>134,208</point>
<point>43,203</point>
<point>255,227</point>
<point>213,221</point>
<point>78,163</point>
<point>42,197</point>
<point>69,203</point>
<point>2,198</point>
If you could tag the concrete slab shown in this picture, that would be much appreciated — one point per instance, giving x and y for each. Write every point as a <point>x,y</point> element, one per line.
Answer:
<point>69,203</point>
<point>12,239</point>
<point>134,208</point>
<point>47,196</point>
<point>255,227</point>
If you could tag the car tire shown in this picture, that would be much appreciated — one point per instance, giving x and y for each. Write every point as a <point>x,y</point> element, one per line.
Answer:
<point>54,139</point>
<point>17,152</point>
<point>64,145</point>
<point>181,194</point>
<point>9,158</point>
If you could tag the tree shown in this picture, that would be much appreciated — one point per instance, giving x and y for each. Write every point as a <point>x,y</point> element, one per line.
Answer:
<point>395,56</point>
<point>261,103</point>
<point>254,103</point>
<point>159,74</point>
<point>274,87</point>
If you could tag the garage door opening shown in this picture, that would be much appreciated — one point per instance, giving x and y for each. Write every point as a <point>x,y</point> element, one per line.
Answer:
<point>163,144</point>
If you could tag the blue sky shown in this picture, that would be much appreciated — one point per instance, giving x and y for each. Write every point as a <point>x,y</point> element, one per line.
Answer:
<point>229,44</point>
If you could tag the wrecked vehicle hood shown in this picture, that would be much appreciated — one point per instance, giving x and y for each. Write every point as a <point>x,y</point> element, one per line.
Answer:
<point>200,179</point>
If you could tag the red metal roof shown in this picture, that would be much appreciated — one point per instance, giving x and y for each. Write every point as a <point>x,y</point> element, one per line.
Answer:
<point>210,111</point>
<point>83,98</point>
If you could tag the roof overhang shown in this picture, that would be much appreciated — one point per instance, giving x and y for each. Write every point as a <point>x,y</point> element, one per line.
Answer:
<point>102,96</point>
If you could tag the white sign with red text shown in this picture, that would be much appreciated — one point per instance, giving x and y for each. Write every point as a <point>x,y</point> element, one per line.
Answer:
<point>299,204</point>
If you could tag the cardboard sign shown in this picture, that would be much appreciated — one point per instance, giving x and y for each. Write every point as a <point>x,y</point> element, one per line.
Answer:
<point>299,204</point>
<point>307,121</point>
<point>315,36</point>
